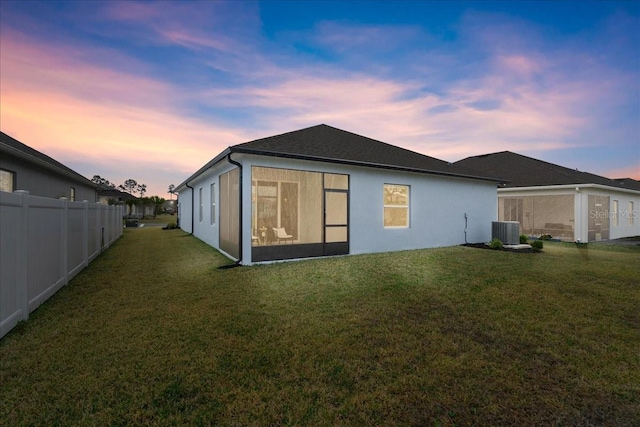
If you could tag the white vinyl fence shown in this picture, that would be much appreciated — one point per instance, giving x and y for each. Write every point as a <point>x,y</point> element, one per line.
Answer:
<point>44,243</point>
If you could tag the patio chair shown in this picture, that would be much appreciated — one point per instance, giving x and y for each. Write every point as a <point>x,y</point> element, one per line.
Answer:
<point>281,234</point>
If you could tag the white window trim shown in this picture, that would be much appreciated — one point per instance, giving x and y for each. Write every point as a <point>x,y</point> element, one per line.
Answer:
<point>407,207</point>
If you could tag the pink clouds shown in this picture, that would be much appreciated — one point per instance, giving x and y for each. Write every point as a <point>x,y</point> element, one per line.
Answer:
<point>77,112</point>
<point>149,115</point>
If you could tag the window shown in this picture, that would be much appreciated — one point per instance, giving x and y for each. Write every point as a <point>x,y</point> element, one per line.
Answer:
<point>615,213</point>
<point>630,213</point>
<point>7,181</point>
<point>396,205</point>
<point>201,203</point>
<point>73,194</point>
<point>213,204</point>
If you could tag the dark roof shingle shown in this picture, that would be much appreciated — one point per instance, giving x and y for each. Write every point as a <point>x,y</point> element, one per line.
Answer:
<point>523,171</point>
<point>329,144</point>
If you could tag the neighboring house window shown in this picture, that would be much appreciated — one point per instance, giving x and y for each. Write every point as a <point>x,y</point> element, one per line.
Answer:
<point>7,181</point>
<point>396,205</point>
<point>73,194</point>
<point>213,204</point>
<point>630,213</point>
<point>615,213</point>
<point>201,203</point>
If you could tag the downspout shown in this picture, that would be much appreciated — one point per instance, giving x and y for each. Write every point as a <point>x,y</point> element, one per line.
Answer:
<point>239,165</point>
<point>193,212</point>
<point>466,217</point>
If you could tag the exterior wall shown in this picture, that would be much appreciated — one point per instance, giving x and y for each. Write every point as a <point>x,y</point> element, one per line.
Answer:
<point>437,206</point>
<point>41,182</point>
<point>583,212</point>
<point>623,228</point>
<point>184,209</point>
<point>203,229</point>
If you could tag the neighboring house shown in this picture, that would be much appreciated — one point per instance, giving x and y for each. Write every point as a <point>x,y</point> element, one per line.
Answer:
<point>323,191</point>
<point>23,168</point>
<point>109,195</point>
<point>113,196</point>
<point>566,203</point>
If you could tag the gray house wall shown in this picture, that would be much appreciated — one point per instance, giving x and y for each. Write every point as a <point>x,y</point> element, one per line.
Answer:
<point>40,181</point>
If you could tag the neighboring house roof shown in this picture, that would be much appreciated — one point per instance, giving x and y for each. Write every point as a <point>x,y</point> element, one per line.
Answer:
<point>13,147</point>
<point>523,171</point>
<point>629,183</point>
<point>328,144</point>
<point>113,193</point>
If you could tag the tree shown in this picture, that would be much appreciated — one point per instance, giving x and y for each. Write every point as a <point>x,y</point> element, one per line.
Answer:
<point>130,203</point>
<point>130,186</point>
<point>102,182</point>
<point>172,191</point>
<point>141,188</point>
<point>157,203</point>
<point>143,201</point>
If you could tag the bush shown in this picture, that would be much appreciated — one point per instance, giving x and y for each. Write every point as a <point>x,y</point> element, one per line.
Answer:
<point>546,237</point>
<point>523,238</point>
<point>496,244</point>
<point>537,245</point>
<point>170,226</point>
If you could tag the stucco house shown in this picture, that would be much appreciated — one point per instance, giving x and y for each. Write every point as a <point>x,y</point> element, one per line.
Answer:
<point>323,191</point>
<point>565,203</point>
<point>23,168</point>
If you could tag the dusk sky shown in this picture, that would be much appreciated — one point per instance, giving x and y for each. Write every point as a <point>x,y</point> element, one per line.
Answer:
<point>154,90</point>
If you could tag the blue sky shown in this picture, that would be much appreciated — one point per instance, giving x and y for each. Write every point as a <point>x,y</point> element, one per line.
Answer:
<point>153,90</point>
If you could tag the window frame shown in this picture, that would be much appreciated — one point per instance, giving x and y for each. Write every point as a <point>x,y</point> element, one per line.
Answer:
<point>212,202</point>
<point>614,205</point>
<point>12,174</point>
<point>406,206</point>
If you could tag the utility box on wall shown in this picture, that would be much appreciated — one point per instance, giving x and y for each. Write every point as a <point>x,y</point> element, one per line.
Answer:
<point>507,231</point>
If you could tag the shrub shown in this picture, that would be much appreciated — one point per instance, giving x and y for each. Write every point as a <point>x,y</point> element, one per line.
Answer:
<point>537,245</point>
<point>546,237</point>
<point>523,238</point>
<point>496,244</point>
<point>171,226</point>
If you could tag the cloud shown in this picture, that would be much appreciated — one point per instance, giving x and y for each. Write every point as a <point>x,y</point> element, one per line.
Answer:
<point>170,85</point>
<point>110,118</point>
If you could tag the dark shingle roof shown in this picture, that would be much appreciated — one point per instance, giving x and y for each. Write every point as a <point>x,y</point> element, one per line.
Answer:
<point>328,144</point>
<point>11,146</point>
<point>523,171</point>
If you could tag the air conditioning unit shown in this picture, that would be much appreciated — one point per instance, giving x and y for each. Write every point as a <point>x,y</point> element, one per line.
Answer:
<point>507,231</point>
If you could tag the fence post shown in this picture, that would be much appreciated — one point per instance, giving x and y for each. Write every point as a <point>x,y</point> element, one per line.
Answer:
<point>64,240</point>
<point>23,294</point>
<point>85,233</point>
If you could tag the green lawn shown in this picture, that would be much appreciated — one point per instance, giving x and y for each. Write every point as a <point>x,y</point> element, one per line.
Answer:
<point>152,332</point>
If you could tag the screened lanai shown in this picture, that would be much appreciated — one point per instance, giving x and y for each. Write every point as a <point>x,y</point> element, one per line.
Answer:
<point>296,214</point>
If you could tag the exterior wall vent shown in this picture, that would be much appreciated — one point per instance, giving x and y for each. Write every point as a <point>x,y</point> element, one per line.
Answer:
<point>507,231</point>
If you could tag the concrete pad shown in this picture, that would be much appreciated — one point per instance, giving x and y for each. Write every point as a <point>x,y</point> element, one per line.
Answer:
<point>519,246</point>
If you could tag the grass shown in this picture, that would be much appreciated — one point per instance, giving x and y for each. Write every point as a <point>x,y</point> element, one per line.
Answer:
<point>154,333</point>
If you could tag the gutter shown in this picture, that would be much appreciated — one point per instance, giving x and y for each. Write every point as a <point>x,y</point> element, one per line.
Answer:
<point>568,187</point>
<point>239,165</point>
<point>359,163</point>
